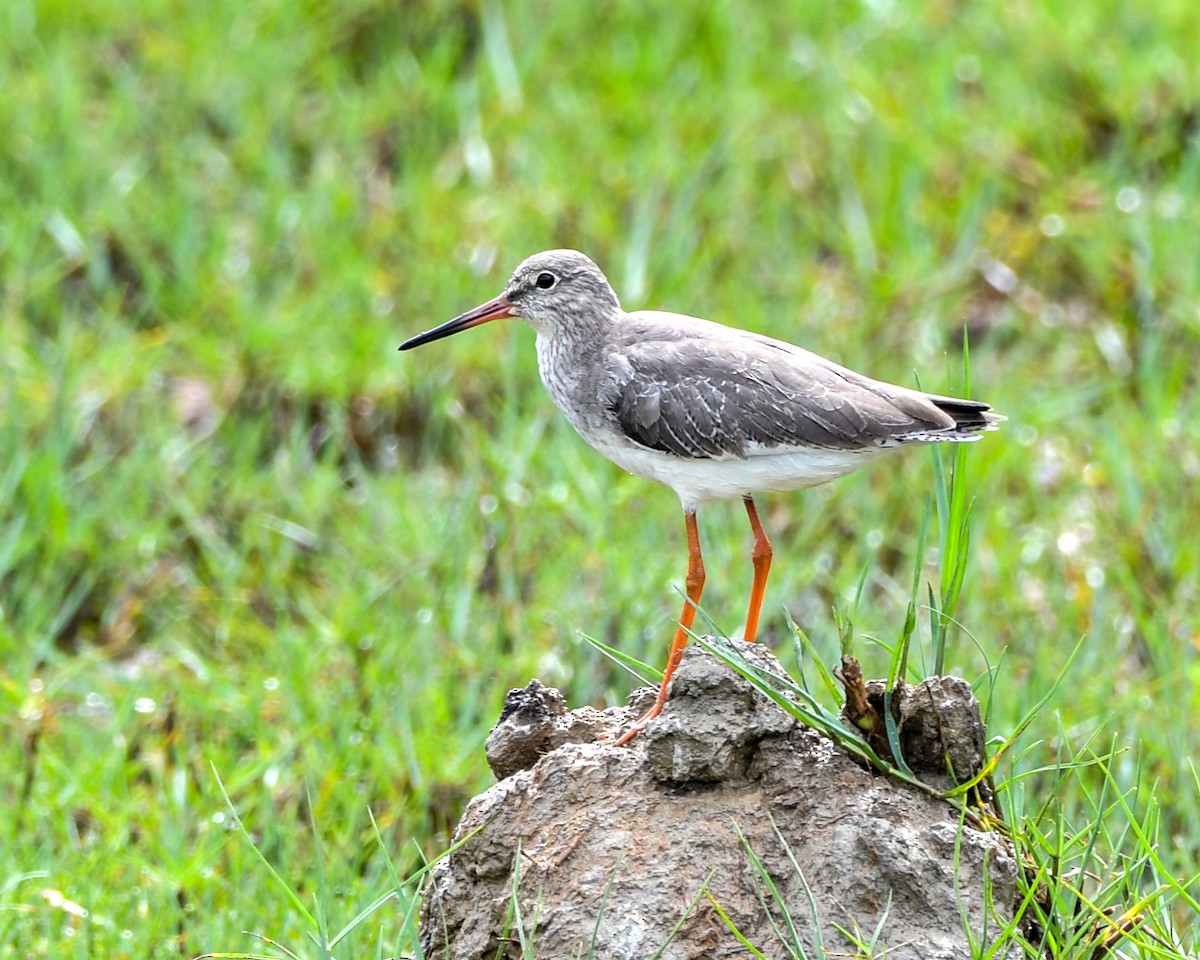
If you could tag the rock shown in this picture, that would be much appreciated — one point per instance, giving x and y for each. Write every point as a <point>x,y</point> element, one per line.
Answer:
<point>534,721</point>
<point>940,730</point>
<point>717,739</point>
<point>724,804</point>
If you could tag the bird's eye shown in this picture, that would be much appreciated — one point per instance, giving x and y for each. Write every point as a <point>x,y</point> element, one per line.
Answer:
<point>546,280</point>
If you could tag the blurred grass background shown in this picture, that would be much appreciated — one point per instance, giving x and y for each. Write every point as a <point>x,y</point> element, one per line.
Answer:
<point>241,536</point>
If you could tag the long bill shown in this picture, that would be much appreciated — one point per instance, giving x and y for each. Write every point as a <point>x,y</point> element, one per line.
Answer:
<point>492,310</point>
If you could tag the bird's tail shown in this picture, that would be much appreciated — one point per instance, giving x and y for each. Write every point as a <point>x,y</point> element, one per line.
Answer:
<point>970,417</point>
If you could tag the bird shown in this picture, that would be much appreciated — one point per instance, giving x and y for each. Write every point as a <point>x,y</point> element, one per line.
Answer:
<point>712,411</point>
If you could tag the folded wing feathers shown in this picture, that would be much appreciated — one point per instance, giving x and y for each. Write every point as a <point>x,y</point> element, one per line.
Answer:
<point>682,397</point>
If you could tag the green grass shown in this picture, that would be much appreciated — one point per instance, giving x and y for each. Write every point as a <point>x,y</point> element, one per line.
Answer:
<point>319,574</point>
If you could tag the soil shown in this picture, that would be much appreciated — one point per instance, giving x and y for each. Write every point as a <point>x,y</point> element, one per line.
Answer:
<point>725,819</point>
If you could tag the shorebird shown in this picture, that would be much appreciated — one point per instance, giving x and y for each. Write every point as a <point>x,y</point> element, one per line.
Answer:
<point>713,412</point>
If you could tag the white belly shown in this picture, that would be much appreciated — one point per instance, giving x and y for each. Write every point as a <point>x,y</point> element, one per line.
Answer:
<point>699,481</point>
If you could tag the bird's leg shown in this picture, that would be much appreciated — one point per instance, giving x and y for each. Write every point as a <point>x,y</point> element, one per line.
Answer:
<point>761,557</point>
<point>695,587</point>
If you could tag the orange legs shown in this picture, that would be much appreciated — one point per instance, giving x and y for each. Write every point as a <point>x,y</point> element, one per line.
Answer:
<point>761,557</point>
<point>695,587</point>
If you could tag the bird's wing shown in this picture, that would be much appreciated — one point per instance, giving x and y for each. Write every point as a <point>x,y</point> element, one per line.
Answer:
<point>711,397</point>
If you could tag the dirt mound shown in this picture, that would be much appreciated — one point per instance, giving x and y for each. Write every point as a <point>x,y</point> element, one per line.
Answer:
<point>724,815</point>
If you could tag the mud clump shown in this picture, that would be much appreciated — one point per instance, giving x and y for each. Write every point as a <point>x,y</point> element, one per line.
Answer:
<point>724,813</point>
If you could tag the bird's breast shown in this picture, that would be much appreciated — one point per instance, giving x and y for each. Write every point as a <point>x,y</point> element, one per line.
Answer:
<point>576,384</point>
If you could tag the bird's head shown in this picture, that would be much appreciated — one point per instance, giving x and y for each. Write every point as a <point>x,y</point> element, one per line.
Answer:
<point>555,292</point>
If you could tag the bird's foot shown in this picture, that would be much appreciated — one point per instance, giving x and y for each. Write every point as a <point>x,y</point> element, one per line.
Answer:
<point>639,725</point>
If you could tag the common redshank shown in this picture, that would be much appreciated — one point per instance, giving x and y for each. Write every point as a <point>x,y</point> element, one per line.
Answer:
<point>713,412</point>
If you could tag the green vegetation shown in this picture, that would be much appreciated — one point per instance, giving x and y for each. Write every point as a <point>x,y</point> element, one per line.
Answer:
<point>242,538</point>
